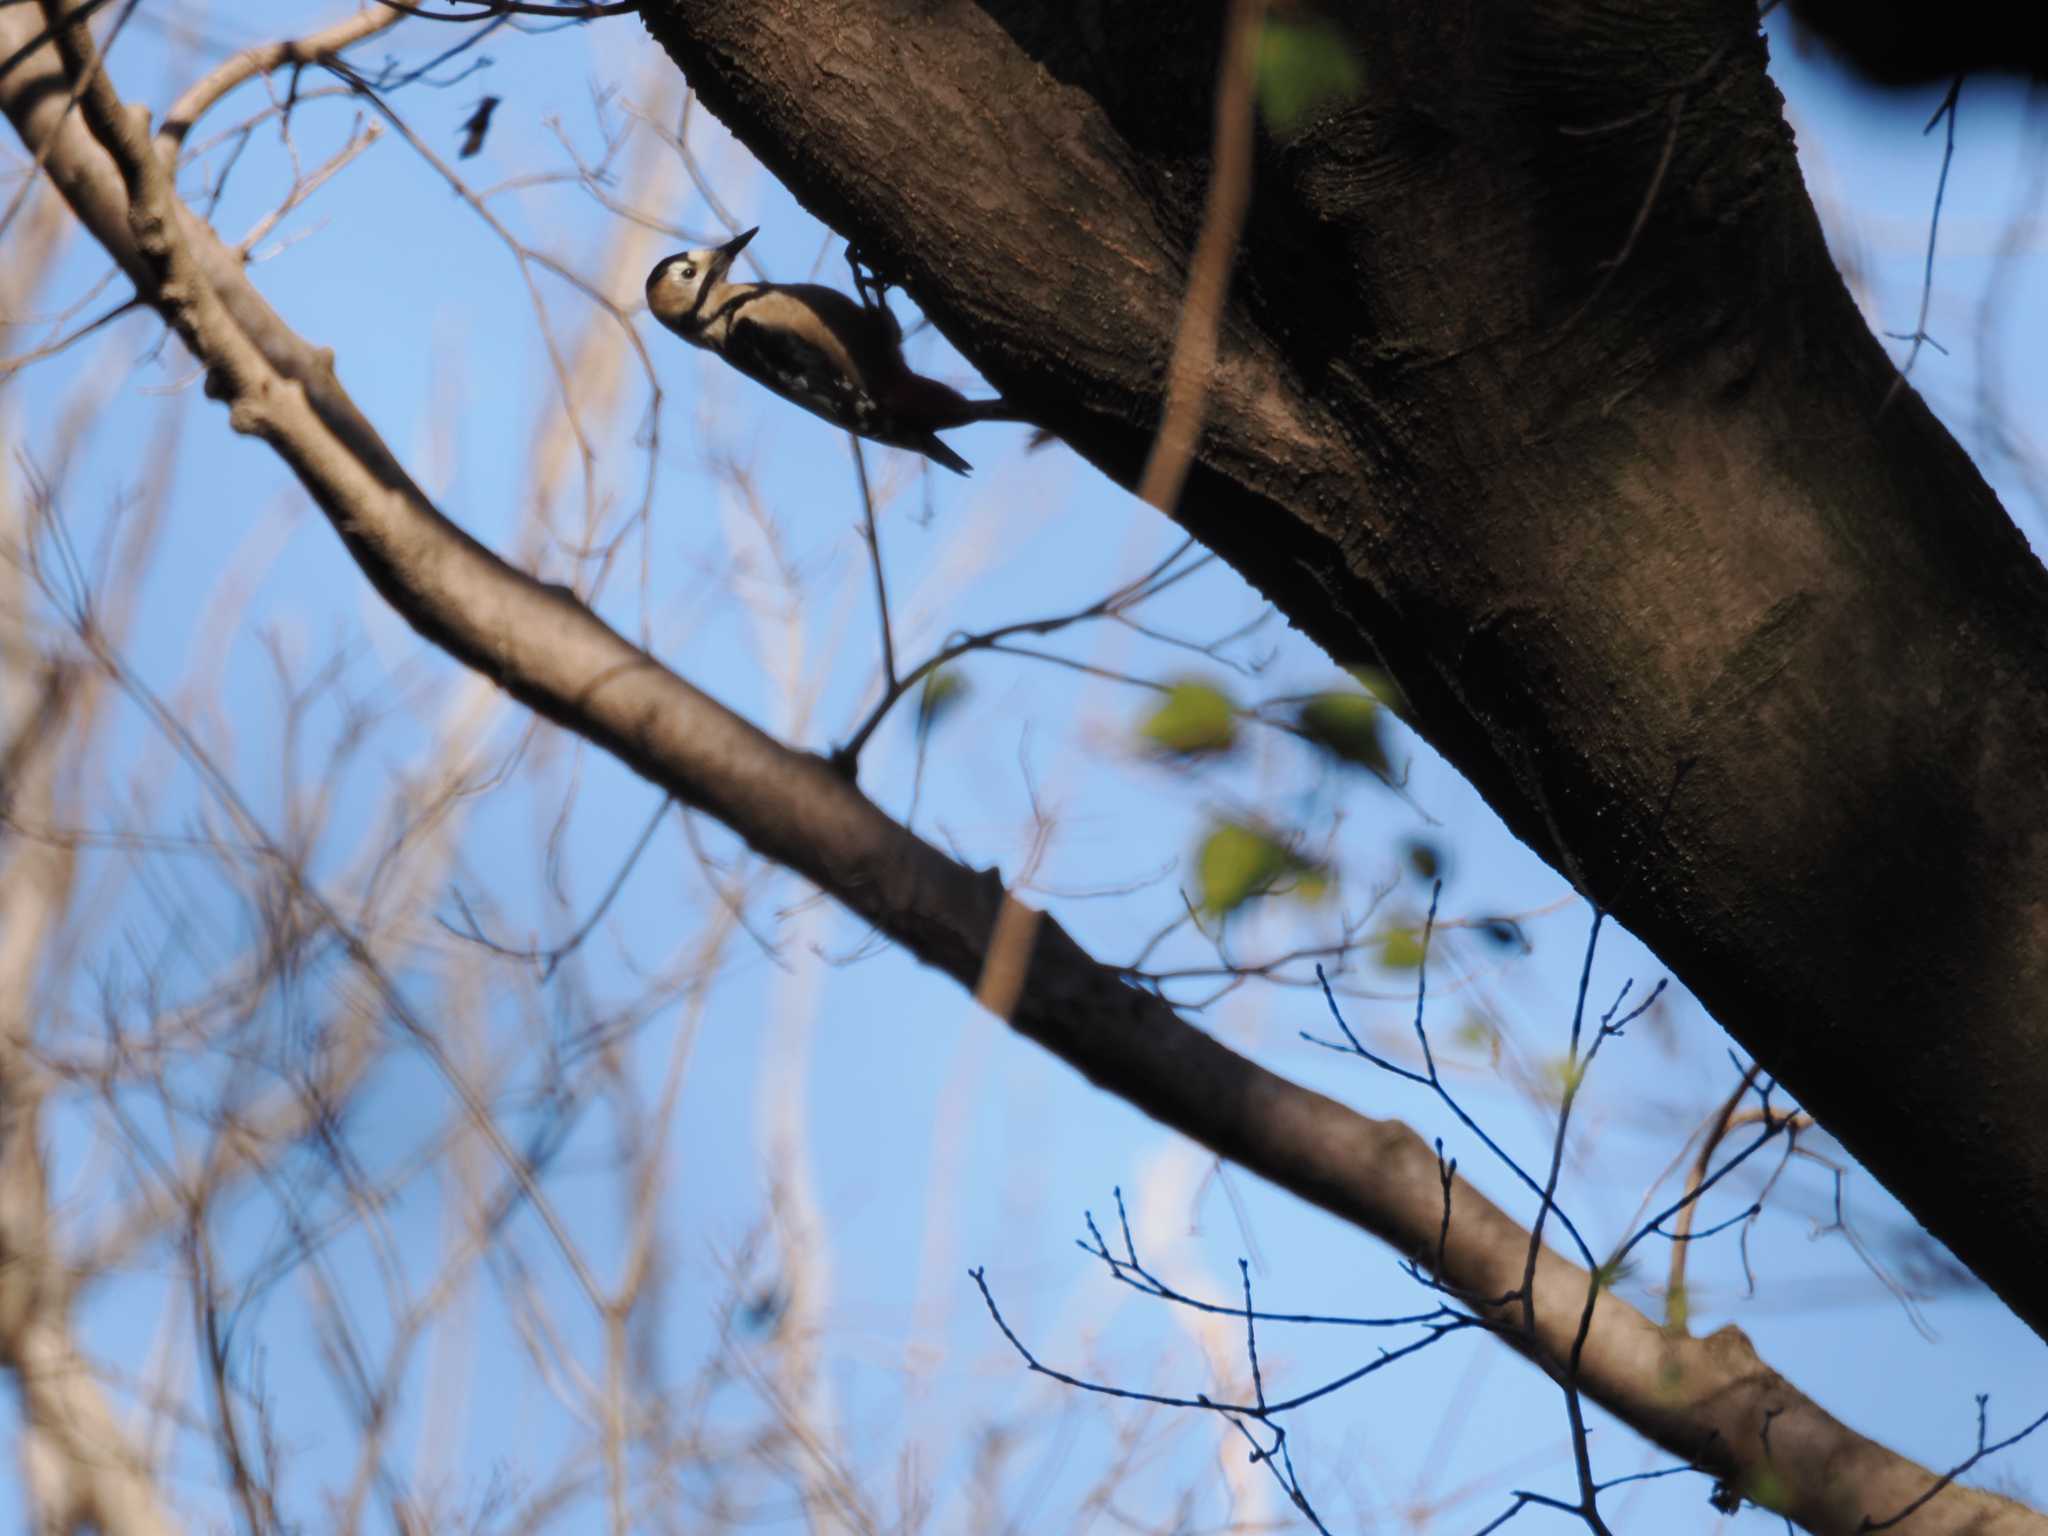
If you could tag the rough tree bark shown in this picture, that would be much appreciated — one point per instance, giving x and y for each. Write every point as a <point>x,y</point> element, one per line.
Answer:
<point>1537,386</point>
<point>1905,42</point>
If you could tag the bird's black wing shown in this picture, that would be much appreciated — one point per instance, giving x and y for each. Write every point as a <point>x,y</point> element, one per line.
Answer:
<point>783,342</point>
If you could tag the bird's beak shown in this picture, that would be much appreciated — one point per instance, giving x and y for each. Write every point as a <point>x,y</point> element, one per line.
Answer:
<point>729,252</point>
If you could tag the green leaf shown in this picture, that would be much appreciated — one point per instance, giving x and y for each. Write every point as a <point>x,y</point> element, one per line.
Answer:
<point>1566,1074</point>
<point>1401,949</point>
<point>1238,861</point>
<point>1424,857</point>
<point>1381,686</point>
<point>1303,65</point>
<point>1312,882</point>
<point>944,687</point>
<point>1613,1273</point>
<point>1477,1033</point>
<point>1503,933</point>
<point>1764,1486</point>
<point>1347,726</point>
<point>1195,719</point>
<point>1234,864</point>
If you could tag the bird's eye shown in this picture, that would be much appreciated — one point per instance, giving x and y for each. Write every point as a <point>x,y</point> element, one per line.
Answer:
<point>688,273</point>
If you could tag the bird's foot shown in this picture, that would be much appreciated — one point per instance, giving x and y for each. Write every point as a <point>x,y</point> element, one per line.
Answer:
<point>869,283</point>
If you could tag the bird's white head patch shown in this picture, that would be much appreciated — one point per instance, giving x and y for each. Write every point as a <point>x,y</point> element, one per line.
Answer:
<point>677,285</point>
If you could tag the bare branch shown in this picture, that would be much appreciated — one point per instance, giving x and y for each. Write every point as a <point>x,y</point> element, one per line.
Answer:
<point>1194,347</point>
<point>314,48</point>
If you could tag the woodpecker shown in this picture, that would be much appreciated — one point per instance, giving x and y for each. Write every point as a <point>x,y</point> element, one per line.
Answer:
<point>837,357</point>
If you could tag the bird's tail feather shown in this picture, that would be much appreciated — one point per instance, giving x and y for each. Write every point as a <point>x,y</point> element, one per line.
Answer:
<point>913,397</point>
<point>997,409</point>
<point>939,453</point>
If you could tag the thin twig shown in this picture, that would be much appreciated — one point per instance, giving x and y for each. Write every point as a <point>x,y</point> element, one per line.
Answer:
<point>1918,336</point>
<point>1724,1121</point>
<point>1983,1450</point>
<point>1230,181</point>
<point>872,538</point>
<point>261,60</point>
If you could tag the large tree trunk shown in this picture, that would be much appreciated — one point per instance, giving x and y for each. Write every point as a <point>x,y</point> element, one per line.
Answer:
<point>1538,386</point>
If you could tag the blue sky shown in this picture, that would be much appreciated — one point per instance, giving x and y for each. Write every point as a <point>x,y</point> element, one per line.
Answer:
<point>904,1136</point>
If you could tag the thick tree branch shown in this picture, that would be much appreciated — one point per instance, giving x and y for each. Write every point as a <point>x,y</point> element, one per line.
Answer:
<point>1909,42</point>
<point>261,60</point>
<point>1708,1400</point>
<point>1752,655</point>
